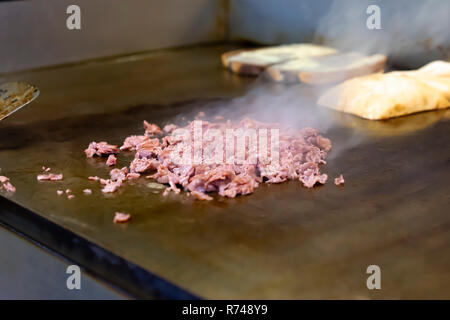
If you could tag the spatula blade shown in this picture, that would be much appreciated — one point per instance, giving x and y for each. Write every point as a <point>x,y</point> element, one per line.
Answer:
<point>15,95</point>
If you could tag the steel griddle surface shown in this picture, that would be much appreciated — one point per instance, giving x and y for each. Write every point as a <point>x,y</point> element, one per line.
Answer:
<point>284,241</point>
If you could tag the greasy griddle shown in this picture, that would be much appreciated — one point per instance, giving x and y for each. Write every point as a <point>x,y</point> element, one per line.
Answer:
<point>284,241</point>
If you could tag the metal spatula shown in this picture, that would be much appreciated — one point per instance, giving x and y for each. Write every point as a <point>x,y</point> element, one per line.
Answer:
<point>15,95</point>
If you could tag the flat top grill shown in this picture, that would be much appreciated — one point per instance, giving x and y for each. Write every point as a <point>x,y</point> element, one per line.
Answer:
<point>284,241</point>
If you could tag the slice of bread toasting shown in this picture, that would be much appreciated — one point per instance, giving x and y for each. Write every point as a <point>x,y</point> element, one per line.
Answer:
<point>309,63</point>
<point>254,62</point>
<point>327,69</point>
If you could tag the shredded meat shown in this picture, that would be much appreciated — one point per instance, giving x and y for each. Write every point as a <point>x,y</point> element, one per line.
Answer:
<point>143,165</point>
<point>201,195</point>
<point>115,182</point>
<point>6,184</point>
<point>100,148</point>
<point>119,174</point>
<point>120,217</point>
<point>50,177</point>
<point>300,154</point>
<point>9,187</point>
<point>131,176</point>
<point>3,179</point>
<point>151,128</point>
<point>111,161</point>
<point>111,186</point>
<point>310,174</point>
<point>132,142</point>
<point>339,180</point>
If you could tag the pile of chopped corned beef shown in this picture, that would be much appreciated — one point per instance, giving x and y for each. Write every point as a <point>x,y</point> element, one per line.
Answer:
<point>300,153</point>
